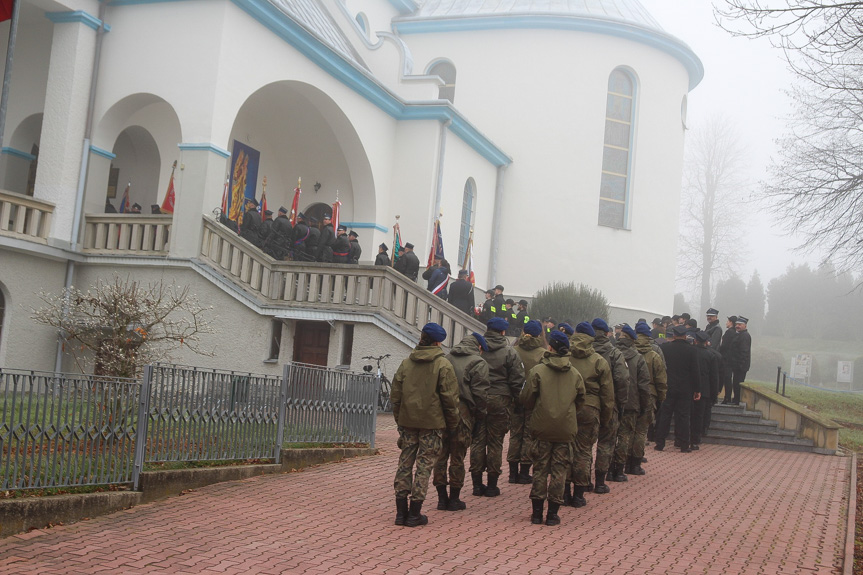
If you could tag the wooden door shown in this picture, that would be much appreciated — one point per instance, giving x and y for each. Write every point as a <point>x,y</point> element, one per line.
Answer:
<point>312,342</point>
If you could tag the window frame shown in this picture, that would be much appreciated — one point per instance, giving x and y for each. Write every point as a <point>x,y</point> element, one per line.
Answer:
<point>630,150</point>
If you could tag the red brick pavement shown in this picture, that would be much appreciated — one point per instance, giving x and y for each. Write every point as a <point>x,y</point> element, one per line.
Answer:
<point>720,510</point>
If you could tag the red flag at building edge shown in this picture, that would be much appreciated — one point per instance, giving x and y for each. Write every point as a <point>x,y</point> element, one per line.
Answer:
<point>397,241</point>
<point>6,7</point>
<point>125,203</point>
<point>170,197</point>
<point>468,260</point>
<point>225,198</point>
<point>337,215</point>
<point>295,205</point>
<point>262,207</point>
<point>436,251</point>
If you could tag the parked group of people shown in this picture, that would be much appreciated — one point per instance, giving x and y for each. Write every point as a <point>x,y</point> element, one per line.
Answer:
<point>558,390</point>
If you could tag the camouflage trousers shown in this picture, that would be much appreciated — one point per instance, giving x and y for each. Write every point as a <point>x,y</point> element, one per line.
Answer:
<point>454,449</point>
<point>551,462</point>
<point>486,449</point>
<point>582,453</point>
<point>625,435</point>
<point>420,446</point>
<point>606,442</point>
<point>519,437</point>
<point>641,426</point>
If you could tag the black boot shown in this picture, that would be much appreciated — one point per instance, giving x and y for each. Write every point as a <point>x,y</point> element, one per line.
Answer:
<point>478,487</point>
<point>578,499</point>
<point>414,517</point>
<point>455,504</point>
<point>601,487</point>
<point>589,487</point>
<point>627,467</point>
<point>635,467</point>
<point>401,511</point>
<point>643,459</point>
<point>551,518</point>
<point>492,490</point>
<point>619,476</point>
<point>442,498</point>
<point>513,471</point>
<point>567,494</point>
<point>524,477</point>
<point>609,476</point>
<point>536,516</point>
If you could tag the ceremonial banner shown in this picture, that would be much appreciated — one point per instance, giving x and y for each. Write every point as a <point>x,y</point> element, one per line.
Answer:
<point>244,179</point>
<point>225,198</point>
<point>125,203</point>
<point>397,241</point>
<point>295,205</point>
<point>262,207</point>
<point>468,259</point>
<point>436,251</point>
<point>6,9</point>
<point>337,216</point>
<point>168,204</point>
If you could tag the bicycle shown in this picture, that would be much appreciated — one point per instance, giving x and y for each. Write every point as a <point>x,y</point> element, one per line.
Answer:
<point>386,386</point>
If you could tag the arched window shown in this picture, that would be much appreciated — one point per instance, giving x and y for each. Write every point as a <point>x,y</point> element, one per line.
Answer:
<point>617,150</point>
<point>468,209</point>
<point>446,71</point>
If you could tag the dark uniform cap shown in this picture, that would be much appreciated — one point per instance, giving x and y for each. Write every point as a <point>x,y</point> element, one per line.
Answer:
<point>743,320</point>
<point>558,341</point>
<point>252,201</point>
<point>702,336</point>
<point>481,341</point>
<point>533,327</point>
<point>136,206</point>
<point>462,273</point>
<point>301,216</point>
<point>409,246</point>
<point>656,320</point>
<point>712,311</point>
<point>489,291</point>
<point>665,318</point>
<point>599,324</point>
<point>498,286</point>
<point>342,228</point>
<point>327,217</point>
<point>643,328</point>
<point>268,212</point>
<point>629,331</point>
<point>283,210</point>
<point>384,247</point>
<point>435,332</point>
<point>313,220</point>
<point>679,330</point>
<point>353,234</point>
<point>522,302</point>
<point>497,324</point>
<point>732,318</point>
<point>586,329</point>
<point>510,301</point>
<point>154,206</point>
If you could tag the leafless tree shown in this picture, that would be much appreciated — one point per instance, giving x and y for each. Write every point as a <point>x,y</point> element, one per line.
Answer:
<point>816,184</point>
<point>711,242</point>
<point>123,325</point>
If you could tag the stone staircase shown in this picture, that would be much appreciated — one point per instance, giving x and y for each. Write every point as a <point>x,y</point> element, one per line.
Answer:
<point>734,425</point>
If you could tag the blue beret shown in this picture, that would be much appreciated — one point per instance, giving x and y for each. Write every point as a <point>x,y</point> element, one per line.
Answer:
<point>497,324</point>
<point>600,325</point>
<point>627,329</point>
<point>435,332</point>
<point>585,328</point>
<point>565,328</point>
<point>643,328</point>
<point>558,340</point>
<point>481,341</point>
<point>533,327</point>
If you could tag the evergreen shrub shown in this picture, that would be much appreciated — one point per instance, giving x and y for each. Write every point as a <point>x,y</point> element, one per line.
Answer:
<point>568,300</point>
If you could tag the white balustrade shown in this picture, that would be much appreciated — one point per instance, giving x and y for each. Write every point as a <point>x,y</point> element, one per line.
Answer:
<point>24,217</point>
<point>127,234</point>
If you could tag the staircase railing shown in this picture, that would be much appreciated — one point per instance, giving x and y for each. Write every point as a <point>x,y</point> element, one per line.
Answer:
<point>127,234</point>
<point>335,287</point>
<point>24,217</point>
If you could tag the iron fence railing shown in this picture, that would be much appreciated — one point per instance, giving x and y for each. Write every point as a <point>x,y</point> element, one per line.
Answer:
<point>61,430</point>
<point>66,430</point>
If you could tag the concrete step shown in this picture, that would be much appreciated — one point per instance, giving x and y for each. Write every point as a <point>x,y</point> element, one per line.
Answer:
<point>736,418</point>
<point>761,427</point>
<point>804,445</point>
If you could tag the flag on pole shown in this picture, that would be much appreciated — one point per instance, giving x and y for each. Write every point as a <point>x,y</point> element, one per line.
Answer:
<point>6,7</point>
<point>397,241</point>
<point>225,198</point>
<point>125,203</point>
<point>170,197</point>
<point>295,205</point>
<point>262,207</point>
<point>336,219</point>
<point>436,251</point>
<point>468,260</point>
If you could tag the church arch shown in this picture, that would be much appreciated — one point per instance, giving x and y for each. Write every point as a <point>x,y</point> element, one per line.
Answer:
<point>446,71</point>
<point>20,168</point>
<point>137,162</point>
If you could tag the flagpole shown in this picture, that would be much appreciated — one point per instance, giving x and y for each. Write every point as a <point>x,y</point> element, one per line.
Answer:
<point>396,232</point>
<point>7,73</point>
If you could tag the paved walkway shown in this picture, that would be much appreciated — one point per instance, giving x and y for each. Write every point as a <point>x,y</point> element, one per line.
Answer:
<point>721,510</point>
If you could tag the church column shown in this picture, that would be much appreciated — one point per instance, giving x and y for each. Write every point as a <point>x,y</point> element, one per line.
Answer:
<point>199,184</point>
<point>64,122</point>
<point>98,173</point>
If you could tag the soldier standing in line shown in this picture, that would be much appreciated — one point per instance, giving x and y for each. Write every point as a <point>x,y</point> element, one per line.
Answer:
<point>530,348</point>
<point>461,293</point>
<point>506,378</point>
<point>282,227</point>
<point>596,411</point>
<point>607,438</point>
<point>411,266</point>
<point>342,246</point>
<point>325,244</point>
<point>681,361</point>
<point>300,235</point>
<point>471,370</point>
<point>425,403</point>
<point>637,404</point>
<point>709,360</point>
<point>486,313</point>
<point>312,242</point>
<point>714,331</point>
<point>658,388</point>
<point>382,259</point>
<point>554,391</point>
<point>725,348</point>
<point>498,304</point>
<point>355,252</point>
<point>251,228</point>
<point>741,356</point>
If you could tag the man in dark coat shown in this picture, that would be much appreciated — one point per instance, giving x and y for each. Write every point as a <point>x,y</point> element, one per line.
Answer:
<point>354,251</point>
<point>710,367</point>
<point>461,293</point>
<point>342,246</point>
<point>684,383</point>
<point>725,350</point>
<point>409,264</point>
<point>741,356</point>
<point>382,259</point>
<point>486,313</point>
<point>314,239</point>
<point>300,235</point>
<point>282,226</point>
<point>498,303</point>
<point>713,329</point>
<point>328,238</point>
<point>250,230</point>
<point>429,272</point>
<point>266,226</point>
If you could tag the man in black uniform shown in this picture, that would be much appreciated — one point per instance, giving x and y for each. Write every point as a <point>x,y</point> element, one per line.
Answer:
<point>266,226</point>
<point>741,355</point>
<point>300,235</point>
<point>710,362</point>
<point>725,348</point>
<point>486,313</point>
<point>684,381</point>
<point>461,293</point>
<point>250,230</point>
<point>282,226</point>
<point>498,304</point>
<point>312,242</point>
<point>409,264</point>
<point>700,406</point>
<point>342,246</point>
<point>355,251</point>
<point>328,238</point>
<point>713,329</point>
<point>382,259</point>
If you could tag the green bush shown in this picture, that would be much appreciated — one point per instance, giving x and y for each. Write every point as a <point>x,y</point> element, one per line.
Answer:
<point>577,302</point>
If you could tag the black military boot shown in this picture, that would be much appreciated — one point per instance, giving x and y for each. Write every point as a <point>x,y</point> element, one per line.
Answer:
<point>401,511</point>
<point>442,498</point>
<point>627,467</point>
<point>513,471</point>
<point>551,518</point>
<point>492,490</point>
<point>567,494</point>
<point>635,467</point>
<point>619,476</point>
<point>415,518</point>
<point>455,504</point>
<point>524,477</point>
<point>478,487</point>
<point>589,487</point>
<point>643,459</point>
<point>578,499</point>
<point>536,517</point>
<point>601,487</point>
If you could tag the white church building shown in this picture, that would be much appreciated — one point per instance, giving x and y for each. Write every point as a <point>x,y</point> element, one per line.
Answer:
<point>554,129</point>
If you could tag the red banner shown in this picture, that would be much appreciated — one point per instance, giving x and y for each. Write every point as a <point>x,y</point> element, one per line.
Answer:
<point>337,216</point>
<point>168,204</point>
<point>6,9</point>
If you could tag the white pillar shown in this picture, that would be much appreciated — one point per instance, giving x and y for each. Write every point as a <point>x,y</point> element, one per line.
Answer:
<point>98,173</point>
<point>199,183</point>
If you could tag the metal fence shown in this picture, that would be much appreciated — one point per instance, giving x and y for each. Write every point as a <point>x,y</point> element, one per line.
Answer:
<point>66,430</point>
<point>61,430</point>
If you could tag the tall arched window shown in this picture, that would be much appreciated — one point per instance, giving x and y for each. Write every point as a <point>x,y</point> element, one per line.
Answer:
<point>446,71</point>
<point>468,209</point>
<point>2,315</point>
<point>617,150</point>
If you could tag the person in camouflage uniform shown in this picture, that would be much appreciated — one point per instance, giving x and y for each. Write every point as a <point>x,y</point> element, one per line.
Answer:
<point>596,412</point>
<point>471,370</point>
<point>607,438</point>
<point>636,406</point>
<point>658,386</point>
<point>530,347</point>
<point>555,392</point>
<point>424,397</point>
<point>506,378</point>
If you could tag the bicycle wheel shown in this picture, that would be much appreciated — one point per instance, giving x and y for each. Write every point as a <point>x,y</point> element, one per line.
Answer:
<point>384,395</point>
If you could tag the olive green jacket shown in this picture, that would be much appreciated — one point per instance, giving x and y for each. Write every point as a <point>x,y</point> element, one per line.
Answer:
<point>639,376</point>
<point>655,365</point>
<point>619,372</point>
<point>505,370</point>
<point>530,349</point>
<point>425,391</point>
<point>471,370</point>
<point>555,392</point>
<point>598,383</point>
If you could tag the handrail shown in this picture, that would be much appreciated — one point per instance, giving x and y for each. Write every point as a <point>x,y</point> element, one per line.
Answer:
<point>127,234</point>
<point>325,286</point>
<point>25,217</point>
